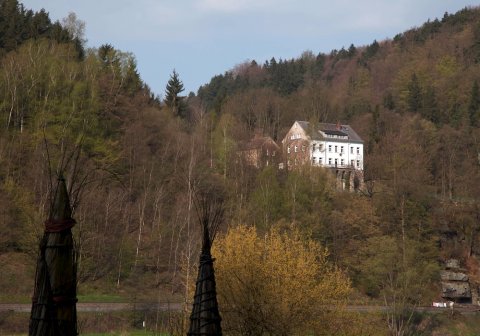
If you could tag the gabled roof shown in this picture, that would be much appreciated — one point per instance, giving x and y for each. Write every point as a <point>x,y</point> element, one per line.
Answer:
<point>331,129</point>
<point>258,142</point>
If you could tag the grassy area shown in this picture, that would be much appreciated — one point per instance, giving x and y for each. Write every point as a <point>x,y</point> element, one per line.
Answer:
<point>460,325</point>
<point>7,298</point>
<point>109,298</point>
<point>125,333</point>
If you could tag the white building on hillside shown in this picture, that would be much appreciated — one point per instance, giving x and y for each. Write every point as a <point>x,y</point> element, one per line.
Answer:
<point>333,146</point>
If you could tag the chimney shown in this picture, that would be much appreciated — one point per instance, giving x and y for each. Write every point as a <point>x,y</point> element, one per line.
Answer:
<point>339,127</point>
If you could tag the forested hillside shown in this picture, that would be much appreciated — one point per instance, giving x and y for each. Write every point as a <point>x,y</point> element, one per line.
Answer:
<point>133,163</point>
<point>415,101</point>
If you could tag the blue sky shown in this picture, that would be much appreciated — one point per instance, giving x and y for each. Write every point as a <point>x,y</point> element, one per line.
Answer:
<point>203,38</point>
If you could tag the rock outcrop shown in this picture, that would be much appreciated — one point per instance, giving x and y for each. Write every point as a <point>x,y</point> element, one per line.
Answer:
<point>455,283</point>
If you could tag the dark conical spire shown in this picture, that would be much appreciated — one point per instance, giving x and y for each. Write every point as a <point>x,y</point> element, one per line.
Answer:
<point>60,217</point>
<point>54,300</point>
<point>205,319</point>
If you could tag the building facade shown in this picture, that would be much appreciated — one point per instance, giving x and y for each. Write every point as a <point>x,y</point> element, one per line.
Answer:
<point>261,151</point>
<point>333,146</point>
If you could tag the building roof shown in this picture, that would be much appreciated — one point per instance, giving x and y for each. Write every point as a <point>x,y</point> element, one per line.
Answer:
<point>331,129</point>
<point>258,142</point>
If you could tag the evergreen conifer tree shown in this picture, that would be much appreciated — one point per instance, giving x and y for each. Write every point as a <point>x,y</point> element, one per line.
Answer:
<point>414,94</point>
<point>430,108</point>
<point>172,95</point>
<point>474,106</point>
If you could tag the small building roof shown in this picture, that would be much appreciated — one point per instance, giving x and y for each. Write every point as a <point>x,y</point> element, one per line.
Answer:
<point>258,142</point>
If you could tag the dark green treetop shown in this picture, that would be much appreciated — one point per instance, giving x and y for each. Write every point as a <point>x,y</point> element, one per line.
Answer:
<point>474,105</point>
<point>172,95</point>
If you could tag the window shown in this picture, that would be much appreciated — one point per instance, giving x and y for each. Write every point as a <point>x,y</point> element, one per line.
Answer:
<point>288,149</point>
<point>273,153</point>
<point>267,151</point>
<point>320,161</point>
<point>295,162</point>
<point>330,161</point>
<point>336,162</point>
<point>288,163</point>
<point>336,148</point>
<point>358,150</point>
<point>358,163</point>
<point>341,149</point>
<point>314,160</point>
<point>351,150</point>
<point>341,162</point>
<point>313,148</point>
<point>296,148</point>
<point>352,163</point>
<point>320,147</point>
<point>303,148</point>
<point>330,148</point>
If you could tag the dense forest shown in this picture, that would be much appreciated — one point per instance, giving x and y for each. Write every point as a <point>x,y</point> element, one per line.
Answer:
<point>133,164</point>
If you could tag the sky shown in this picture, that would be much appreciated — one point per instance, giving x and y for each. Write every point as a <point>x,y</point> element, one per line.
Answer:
<point>204,38</point>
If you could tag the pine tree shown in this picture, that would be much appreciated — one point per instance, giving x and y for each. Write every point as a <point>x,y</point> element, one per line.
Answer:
<point>414,94</point>
<point>430,108</point>
<point>474,106</point>
<point>172,95</point>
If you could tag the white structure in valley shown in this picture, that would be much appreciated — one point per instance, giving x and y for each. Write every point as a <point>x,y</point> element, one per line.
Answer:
<point>333,146</point>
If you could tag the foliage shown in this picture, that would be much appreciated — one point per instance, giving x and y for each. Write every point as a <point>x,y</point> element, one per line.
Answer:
<point>172,95</point>
<point>18,25</point>
<point>413,99</point>
<point>277,284</point>
<point>266,199</point>
<point>398,271</point>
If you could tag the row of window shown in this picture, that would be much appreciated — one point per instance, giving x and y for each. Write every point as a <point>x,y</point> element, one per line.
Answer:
<point>335,161</point>
<point>295,149</point>
<point>295,136</point>
<point>341,149</point>
<point>319,148</point>
<point>336,136</point>
<point>330,162</point>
